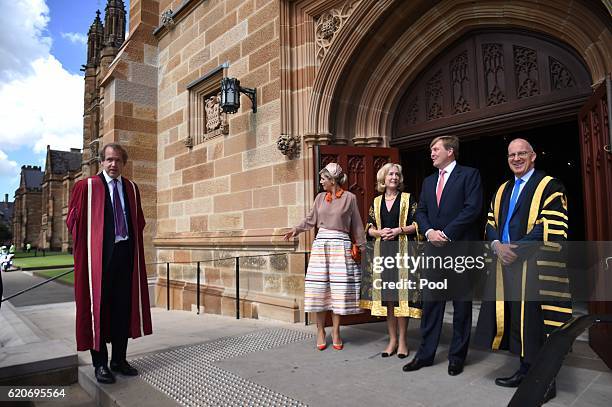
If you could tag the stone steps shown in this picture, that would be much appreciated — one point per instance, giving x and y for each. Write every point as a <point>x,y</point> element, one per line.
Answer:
<point>127,391</point>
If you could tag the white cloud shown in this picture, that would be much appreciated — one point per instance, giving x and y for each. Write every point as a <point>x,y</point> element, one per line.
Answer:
<point>22,23</point>
<point>8,168</point>
<point>43,108</point>
<point>75,38</point>
<point>42,104</point>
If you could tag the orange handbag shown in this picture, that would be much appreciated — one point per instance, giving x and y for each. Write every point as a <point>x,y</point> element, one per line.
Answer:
<point>356,253</point>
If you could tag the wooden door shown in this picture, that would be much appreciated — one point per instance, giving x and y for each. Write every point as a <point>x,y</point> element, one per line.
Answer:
<point>597,180</point>
<point>360,164</point>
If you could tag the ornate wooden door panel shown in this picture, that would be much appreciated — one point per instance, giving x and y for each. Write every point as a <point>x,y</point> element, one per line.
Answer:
<point>360,165</point>
<point>597,177</point>
<point>493,79</point>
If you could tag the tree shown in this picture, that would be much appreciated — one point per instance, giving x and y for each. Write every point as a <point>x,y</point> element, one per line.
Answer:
<point>5,233</point>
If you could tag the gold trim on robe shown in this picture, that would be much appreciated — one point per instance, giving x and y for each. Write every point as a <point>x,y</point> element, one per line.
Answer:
<point>375,305</point>
<point>554,223</point>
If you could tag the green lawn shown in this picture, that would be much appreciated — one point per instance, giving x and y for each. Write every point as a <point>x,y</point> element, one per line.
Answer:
<point>21,255</point>
<point>57,260</point>
<point>68,278</point>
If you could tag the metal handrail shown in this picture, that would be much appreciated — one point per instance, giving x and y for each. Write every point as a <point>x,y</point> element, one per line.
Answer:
<point>237,276</point>
<point>198,281</point>
<point>36,285</point>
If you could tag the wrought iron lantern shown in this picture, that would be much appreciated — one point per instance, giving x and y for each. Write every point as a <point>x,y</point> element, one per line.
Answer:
<point>230,95</point>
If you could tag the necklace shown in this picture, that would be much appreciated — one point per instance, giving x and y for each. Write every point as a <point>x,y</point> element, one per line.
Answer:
<point>328,196</point>
<point>390,198</point>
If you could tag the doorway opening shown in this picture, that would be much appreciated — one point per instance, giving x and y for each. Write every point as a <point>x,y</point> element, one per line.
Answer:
<point>558,154</point>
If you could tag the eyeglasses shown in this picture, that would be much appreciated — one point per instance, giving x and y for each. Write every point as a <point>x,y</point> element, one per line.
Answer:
<point>520,154</point>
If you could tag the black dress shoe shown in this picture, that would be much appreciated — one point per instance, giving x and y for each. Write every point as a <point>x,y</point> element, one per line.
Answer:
<point>415,364</point>
<point>103,375</point>
<point>512,381</point>
<point>455,368</point>
<point>124,368</point>
<point>551,393</point>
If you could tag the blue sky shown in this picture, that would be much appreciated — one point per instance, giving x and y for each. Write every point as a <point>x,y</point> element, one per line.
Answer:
<point>42,48</point>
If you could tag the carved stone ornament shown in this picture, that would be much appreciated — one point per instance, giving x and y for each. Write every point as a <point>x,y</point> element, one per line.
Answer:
<point>216,120</point>
<point>166,19</point>
<point>213,119</point>
<point>189,142</point>
<point>94,146</point>
<point>289,145</point>
<point>328,24</point>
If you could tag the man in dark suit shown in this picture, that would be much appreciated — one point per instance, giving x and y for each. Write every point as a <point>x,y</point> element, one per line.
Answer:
<point>448,211</point>
<point>106,221</point>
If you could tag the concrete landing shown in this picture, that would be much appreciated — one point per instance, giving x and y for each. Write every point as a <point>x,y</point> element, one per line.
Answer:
<point>28,356</point>
<point>230,365</point>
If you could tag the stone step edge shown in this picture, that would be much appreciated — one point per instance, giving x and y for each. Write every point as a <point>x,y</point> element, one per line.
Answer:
<point>126,392</point>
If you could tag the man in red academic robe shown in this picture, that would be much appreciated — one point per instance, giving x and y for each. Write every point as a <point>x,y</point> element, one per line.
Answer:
<point>110,280</point>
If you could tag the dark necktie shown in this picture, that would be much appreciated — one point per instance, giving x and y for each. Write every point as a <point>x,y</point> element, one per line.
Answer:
<point>120,230</point>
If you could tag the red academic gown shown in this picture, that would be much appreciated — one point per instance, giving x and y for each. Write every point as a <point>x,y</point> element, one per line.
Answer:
<point>86,223</point>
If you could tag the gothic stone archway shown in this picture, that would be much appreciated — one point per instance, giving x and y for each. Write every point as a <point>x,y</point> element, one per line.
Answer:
<point>381,48</point>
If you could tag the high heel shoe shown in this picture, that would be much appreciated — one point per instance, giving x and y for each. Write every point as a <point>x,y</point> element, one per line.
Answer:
<point>387,354</point>
<point>337,345</point>
<point>402,355</point>
<point>322,346</point>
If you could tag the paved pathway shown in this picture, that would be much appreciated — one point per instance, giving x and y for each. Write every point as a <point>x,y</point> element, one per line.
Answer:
<point>49,293</point>
<point>192,359</point>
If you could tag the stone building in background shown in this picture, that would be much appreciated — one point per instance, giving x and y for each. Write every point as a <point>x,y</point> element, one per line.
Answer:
<point>6,214</point>
<point>359,82</point>
<point>61,170</point>
<point>27,209</point>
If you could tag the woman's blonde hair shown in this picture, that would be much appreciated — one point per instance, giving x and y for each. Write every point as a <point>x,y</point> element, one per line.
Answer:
<point>382,174</point>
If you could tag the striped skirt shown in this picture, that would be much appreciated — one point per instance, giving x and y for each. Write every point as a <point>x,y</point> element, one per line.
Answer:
<point>332,278</point>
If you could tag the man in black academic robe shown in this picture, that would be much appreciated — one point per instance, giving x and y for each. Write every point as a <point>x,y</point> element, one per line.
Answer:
<point>527,224</point>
